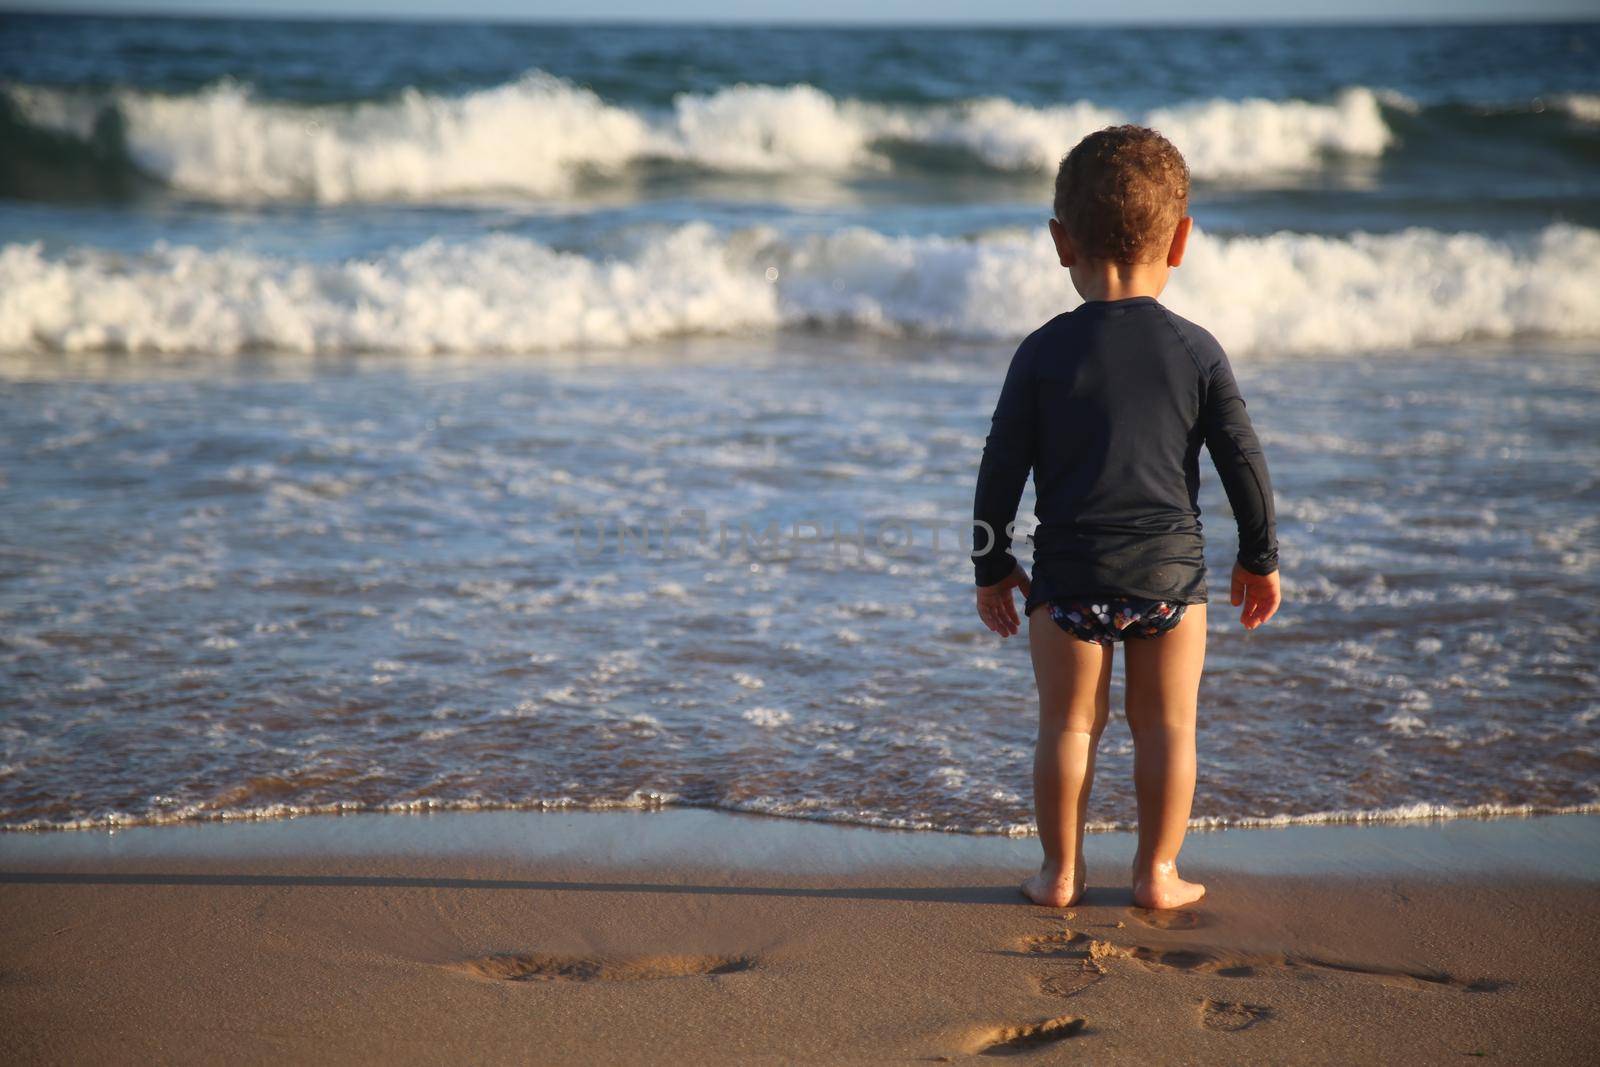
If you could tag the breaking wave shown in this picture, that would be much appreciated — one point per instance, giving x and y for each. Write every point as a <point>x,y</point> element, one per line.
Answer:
<point>1585,107</point>
<point>1280,293</point>
<point>538,136</point>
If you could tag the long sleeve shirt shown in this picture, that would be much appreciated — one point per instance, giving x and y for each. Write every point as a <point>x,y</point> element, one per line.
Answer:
<point>1109,405</point>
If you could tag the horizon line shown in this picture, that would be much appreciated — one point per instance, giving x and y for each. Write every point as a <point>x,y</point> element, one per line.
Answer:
<point>1321,20</point>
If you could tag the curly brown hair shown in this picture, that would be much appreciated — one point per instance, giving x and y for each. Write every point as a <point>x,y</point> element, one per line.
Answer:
<point>1120,194</point>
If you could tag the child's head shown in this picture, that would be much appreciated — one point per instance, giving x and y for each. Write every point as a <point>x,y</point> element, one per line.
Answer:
<point>1122,199</point>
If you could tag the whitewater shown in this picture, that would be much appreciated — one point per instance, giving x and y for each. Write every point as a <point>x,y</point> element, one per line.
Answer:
<point>1279,293</point>
<point>538,135</point>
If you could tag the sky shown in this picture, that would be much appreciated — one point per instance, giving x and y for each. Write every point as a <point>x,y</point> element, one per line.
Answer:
<point>844,11</point>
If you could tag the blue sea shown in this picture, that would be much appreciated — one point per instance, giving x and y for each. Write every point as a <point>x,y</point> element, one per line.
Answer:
<point>401,416</point>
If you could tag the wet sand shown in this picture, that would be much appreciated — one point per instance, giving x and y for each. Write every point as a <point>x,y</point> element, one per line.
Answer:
<point>702,937</point>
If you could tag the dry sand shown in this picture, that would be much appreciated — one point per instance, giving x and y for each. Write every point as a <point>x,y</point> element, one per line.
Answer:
<point>698,937</point>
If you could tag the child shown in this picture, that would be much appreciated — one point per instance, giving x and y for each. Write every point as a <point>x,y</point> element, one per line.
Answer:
<point>1109,405</point>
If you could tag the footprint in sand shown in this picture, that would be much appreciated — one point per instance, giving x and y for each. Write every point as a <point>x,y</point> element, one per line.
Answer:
<point>1061,942</point>
<point>1024,1037</point>
<point>1064,944</point>
<point>1167,920</point>
<point>1070,983</point>
<point>1230,1016</point>
<point>533,967</point>
<point>1398,976</point>
<point>1222,962</point>
<point>1089,956</point>
<point>1228,963</point>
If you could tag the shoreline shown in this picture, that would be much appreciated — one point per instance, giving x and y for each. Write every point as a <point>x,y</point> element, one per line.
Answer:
<point>1558,845</point>
<point>700,936</point>
<point>1421,812</point>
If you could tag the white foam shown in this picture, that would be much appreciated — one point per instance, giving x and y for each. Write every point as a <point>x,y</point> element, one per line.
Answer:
<point>638,800</point>
<point>1420,811</point>
<point>1403,722</point>
<point>224,143</point>
<point>1224,138</point>
<point>763,128</point>
<point>1283,293</point>
<point>768,717</point>
<point>813,809</point>
<point>498,293</point>
<point>1300,293</point>
<point>1585,107</point>
<point>537,135</point>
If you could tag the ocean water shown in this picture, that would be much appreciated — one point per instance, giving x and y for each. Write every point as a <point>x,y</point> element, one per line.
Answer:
<point>400,417</point>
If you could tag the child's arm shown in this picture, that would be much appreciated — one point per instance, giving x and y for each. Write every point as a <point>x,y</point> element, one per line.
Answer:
<point>1231,440</point>
<point>1007,458</point>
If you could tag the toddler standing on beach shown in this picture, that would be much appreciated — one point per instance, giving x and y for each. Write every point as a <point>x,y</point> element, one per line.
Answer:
<point>1109,405</point>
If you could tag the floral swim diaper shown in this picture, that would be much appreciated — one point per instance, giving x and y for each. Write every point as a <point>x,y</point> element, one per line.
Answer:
<point>1106,620</point>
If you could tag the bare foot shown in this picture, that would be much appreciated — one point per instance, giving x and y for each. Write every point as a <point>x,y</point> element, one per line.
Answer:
<point>1053,887</point>
<point>1162,888</point>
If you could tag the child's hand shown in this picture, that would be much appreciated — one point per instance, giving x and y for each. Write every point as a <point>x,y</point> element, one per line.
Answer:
<point>997,608</point>
<point>1259,593</point>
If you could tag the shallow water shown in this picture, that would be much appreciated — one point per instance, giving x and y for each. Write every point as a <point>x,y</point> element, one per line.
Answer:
<point>266,586</point>
<point>328,350</point>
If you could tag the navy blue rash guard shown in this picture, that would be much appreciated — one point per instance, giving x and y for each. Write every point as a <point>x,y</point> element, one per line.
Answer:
<point>1109,404</point>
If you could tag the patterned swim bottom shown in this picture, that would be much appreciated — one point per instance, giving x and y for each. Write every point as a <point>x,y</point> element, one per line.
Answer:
<point>1106,620</point>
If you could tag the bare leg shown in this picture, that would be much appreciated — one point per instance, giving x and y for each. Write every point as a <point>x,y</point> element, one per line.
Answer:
<point>1163,690</point>
<point>1074,679</point>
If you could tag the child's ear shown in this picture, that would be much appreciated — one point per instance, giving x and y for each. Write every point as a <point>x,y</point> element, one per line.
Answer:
<point>1058,234</point>
<point>1180,241</point>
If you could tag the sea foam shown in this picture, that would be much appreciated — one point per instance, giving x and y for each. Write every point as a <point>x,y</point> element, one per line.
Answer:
<point>810,810</point>
<point>1283,293</point>
<point>1585,107</point>
<point>539,135</point>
